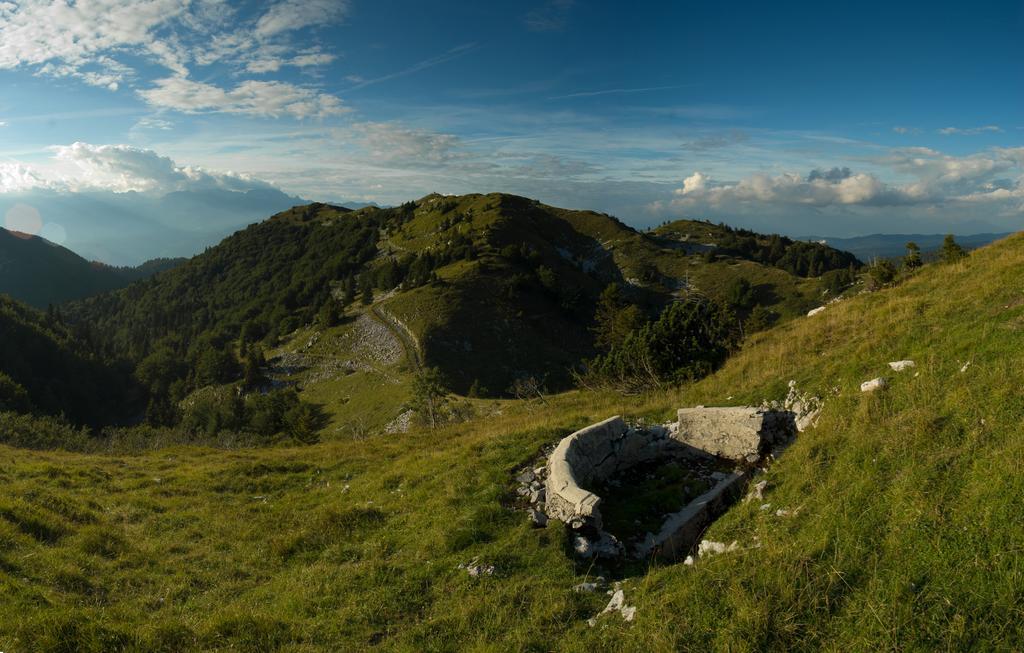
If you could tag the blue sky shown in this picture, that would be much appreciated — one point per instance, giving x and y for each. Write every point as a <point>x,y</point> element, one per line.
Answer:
<point>802,118</point>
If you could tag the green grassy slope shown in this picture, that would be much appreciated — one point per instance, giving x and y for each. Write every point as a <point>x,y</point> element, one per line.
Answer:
<point>904,529</point>
<point>487,319</point>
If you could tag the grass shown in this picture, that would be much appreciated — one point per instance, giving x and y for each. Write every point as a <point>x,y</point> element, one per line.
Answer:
<point>640,497</point>
<point>903,531</point>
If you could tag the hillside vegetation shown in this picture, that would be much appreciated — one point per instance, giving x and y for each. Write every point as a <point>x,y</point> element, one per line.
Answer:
<point>40,273</point>
<point>495,291</point>
<point>45,368</point>
<point>902,530</point>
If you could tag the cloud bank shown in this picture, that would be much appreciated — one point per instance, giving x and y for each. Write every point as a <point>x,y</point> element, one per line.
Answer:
<point>99,43</point>
<point>119,169</point>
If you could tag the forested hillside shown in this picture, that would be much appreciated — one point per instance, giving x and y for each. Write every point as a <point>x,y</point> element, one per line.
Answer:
<point>40,273</point>
<point>45,368</point>
<point>501,294</point>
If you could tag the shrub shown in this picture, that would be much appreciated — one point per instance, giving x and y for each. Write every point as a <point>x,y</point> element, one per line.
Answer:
<point>688,341</point>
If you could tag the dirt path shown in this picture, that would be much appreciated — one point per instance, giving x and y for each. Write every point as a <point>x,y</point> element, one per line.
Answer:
<point>412,350</point>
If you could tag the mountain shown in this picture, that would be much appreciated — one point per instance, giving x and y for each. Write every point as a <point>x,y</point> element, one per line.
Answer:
<point>894,245</point>
<point>894,522</point>
<point>47,367</point>
<point>493,290</point>
<point>41,273</point>
<point>130,228</point>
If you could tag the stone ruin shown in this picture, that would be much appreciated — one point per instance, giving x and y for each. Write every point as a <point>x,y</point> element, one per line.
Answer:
<point>737,437</point>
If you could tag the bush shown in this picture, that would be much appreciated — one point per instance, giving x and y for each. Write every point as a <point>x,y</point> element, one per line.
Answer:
<point>688,341</point>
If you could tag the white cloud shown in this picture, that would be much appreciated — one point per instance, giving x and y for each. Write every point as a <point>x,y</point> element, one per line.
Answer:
<point>788,188</point>
<point>969,131</point>
<point>98,43</point>
<point>251,97</point>
<point>119,169</point>
<point>16,177</point>
<point>74,37</point>
<point>291,15</point>
<point>695,183</point>
<point>271,64</point>
<point>930,180</point>
<point>393,142</point>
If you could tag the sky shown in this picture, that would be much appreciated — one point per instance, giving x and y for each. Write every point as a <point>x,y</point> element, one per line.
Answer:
<point>824,119</point>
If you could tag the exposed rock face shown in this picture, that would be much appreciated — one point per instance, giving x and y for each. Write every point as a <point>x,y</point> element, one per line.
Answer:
<point>815,311</point>
<point>733,433</point>
<point>805,407</point>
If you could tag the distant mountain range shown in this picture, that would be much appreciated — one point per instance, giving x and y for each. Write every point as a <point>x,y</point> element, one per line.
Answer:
<point>40,273</point>
<point>892,245</point>
<point>129,228</point>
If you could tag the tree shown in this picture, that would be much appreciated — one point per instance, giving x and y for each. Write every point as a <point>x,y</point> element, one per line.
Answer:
<point>739,293</point>
<point>759,319</point>
<point>951,250</point>
<point>912,260</point>
<point>13,397</point>
<point>253,373</point>
<point>688,341</point>
<point>215,366</point>
<point>614,318</point>
<point>305,421</point>
<point>330,313</point>
<point>429,396</point>
<point>881,272</point>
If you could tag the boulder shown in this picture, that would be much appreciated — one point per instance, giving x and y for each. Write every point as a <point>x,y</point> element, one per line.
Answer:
<point>874,384</point>
<point>815,311</point>
<point>899,366</point>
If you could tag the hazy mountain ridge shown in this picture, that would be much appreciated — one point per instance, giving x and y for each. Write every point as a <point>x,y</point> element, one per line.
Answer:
<point>40,273</point>
<point>894,245</point>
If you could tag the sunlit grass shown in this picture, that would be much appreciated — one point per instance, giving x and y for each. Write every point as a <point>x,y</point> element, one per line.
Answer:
<point>904,527</point>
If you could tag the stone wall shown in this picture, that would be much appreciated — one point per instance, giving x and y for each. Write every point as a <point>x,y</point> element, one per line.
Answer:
<point>740,433</point>
<point>602,450</point>
<point>589,455</point>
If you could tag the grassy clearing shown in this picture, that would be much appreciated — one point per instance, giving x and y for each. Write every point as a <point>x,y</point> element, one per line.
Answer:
<point>903,531</point>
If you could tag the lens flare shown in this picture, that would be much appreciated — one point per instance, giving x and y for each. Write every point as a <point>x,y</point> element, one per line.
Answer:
<point>24,220</point>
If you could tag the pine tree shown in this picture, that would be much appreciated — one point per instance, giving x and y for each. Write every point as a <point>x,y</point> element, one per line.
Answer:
<point>912,260</point>
<point>951,250</point>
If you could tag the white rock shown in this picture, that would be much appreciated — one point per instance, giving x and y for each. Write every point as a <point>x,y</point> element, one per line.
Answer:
<point>815,311</point>
<point>899,366</point>
<point>616,604</point>
<point>537,518</point>
<point>590,588</point>
<point>688,561</point>
<point>966,365</point>
<point>475,569</point>
<point>874,384</point>
<point>710,547</point>
<point>758,491</point>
